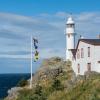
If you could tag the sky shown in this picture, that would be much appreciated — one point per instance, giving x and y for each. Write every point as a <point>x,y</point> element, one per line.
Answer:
<point>45,20</point>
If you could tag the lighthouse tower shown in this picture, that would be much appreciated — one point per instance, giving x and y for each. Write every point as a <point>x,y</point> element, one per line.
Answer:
<point>70,38</point>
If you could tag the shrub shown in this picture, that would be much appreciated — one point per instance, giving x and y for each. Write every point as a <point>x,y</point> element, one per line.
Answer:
<point>22,83</point>
<point>38,90</point>
<point>57,85</point>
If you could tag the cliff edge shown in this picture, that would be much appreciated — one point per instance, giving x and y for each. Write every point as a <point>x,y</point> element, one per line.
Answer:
<point>55,80</point>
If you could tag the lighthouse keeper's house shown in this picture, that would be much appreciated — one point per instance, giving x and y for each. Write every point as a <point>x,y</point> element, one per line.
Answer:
<point>86,56</point>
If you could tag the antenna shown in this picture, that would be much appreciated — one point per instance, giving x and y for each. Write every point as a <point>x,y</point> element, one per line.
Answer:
<point>70,14</point>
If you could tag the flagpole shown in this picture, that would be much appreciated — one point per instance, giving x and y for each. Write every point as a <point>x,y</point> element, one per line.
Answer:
<point>31,65</point>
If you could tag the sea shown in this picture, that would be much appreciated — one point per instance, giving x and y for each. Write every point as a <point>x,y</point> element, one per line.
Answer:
<point>7,81</point>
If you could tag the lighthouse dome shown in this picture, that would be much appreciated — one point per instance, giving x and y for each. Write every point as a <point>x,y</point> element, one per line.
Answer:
<point>70,21</point>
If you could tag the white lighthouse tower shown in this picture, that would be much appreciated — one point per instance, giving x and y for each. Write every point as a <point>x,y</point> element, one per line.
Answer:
<point>70,38</point>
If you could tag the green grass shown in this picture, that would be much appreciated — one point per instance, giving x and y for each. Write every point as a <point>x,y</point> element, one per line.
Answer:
<point>83,90</point>
<point>58,88</point>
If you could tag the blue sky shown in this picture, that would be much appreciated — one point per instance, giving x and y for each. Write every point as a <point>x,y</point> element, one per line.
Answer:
<point>44,19</point>
<point>32,7</point>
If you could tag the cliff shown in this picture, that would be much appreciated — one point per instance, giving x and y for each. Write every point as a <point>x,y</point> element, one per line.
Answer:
<point>55,80</point>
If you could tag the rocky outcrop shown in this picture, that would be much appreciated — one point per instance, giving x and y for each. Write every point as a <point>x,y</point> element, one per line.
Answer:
<point>49,70</point>
<point>55,68</point>
<point>13,93</point>
<point>91,74</point>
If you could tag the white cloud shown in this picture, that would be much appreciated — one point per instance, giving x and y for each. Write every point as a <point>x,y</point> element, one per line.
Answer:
<point>15,31</point>
<point>49,52</point>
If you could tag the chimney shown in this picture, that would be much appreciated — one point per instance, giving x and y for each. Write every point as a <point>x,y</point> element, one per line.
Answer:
<point>81,37</point>
<point>98,36</point>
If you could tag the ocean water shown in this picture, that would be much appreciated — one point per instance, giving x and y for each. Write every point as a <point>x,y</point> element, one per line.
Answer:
<point>8,81</point>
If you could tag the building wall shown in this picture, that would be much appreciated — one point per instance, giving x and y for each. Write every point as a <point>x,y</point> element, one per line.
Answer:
<point>69,45</point>
<point>93,59</point>
<point>97,59</point>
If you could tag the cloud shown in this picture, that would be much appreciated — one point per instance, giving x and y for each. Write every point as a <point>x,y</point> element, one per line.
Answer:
<point>48,53</point>
<point>87,23</point>
<point>4,33</point>
<point>15,32</point>
<point>15,53</point>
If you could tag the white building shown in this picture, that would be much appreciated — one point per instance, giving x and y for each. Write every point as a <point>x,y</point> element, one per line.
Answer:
<point>86,55</point>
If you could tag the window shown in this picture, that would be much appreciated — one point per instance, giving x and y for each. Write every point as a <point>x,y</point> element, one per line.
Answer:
<point>68,35</point>
<point>78,53</point>
<point>82,52</point>
<point>88,51</point>
<point>78,68</point>
<point>88,66</point>
<point>98,61</point>
<point>70,25</point>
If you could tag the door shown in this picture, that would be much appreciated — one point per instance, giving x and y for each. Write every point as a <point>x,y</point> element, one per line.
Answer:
<point>88,66</point>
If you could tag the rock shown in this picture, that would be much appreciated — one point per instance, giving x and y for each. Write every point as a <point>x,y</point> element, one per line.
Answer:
<point>13,93</point>
<point>50,69</point>
<point>91,74</point>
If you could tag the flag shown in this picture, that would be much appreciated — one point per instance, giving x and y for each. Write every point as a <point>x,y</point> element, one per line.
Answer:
<point>36,56</point>
<point>35,40</point>
<point>36,53</point>
<point>35,46</point>
<point>35,43</point>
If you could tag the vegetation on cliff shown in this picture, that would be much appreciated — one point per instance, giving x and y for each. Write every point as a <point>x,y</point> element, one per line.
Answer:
<point>55,80</point>
<point>22,83</point>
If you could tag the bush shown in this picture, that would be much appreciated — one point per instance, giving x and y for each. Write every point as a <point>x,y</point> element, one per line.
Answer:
<point>38,90</point>
<point>37,97</point>
<point>22,83</point>
<point>34,94</point>
<point>57,85</point>
<point>24,94</point>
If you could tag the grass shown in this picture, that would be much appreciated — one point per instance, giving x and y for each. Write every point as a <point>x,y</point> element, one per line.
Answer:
<point>57,88</point>
<point>86,90</point>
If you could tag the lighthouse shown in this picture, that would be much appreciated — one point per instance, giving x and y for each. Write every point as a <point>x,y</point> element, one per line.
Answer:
<point>70,37</point>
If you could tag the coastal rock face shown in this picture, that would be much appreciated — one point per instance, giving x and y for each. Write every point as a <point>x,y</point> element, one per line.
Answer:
<point>52,68</point>
<point>49,70</point>
<point>57,72</point>
<point>91,74</point>
<point>13,93</point>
